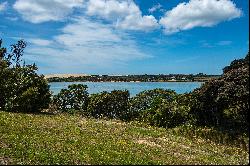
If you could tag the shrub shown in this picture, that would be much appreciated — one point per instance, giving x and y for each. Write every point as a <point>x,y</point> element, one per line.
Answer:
<point>73,98</point>
<point>164,113</point>
<point>224,102</point>
<point>110,105</point>
<point>144,100</point>
<point>169,112</point>
<point>159,107</point>
<point>21,88</point>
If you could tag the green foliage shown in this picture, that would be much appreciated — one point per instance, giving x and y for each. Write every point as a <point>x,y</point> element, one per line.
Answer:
<point>144,100</point>
<point>73,98</point>
<point>21,88</point>
<point>160,107</point>
<point>110,105</point>
<point>224,102</point>
<point>164,113</point>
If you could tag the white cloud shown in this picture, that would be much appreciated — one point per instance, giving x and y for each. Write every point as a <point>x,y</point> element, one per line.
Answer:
<point>38,11</point>
<point>85,43</point>
<point>40,42</point>
<point>199,13</point>
<point>125,14</point>
<point>155,8</point>
<point>112,9</point>
<point>136,22</point>
<point>3,6</point>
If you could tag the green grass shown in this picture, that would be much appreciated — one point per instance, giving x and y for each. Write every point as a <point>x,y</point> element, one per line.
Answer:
<point>72,139</point>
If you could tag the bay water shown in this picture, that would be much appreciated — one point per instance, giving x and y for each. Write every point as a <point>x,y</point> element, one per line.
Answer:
<point>133,87</point>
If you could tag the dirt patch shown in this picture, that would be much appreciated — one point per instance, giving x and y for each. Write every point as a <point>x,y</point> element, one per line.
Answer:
<point>5,160</point>
<point>3,145</point>
<point>147,142</point>
<point>82,122</point>
<point>184,146</point>
<point>163,139</point>
<point>111,122</point>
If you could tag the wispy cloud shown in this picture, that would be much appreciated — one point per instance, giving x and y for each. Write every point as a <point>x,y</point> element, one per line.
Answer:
<point>3,6</point>
<point>224,43</point>
<point>39,42</point>
<point>155,8</point>
<point>84,43</point>
<point>12,18</point>
<point>207,44</point>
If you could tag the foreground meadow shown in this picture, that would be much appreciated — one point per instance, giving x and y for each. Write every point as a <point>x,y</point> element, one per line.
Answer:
<point>72,139</point>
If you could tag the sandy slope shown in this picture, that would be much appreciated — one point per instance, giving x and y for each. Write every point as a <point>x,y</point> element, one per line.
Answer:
<point>64,75</point>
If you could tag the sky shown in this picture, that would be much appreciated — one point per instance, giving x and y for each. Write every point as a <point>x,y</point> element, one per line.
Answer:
<point>128,36</point>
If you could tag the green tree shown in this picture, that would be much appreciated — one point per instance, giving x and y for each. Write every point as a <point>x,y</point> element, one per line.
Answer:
<point>224,102</point>
<point>73,98</point>
<point>21,88</point>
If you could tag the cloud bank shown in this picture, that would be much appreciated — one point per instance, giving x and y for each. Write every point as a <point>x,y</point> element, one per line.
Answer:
<point>126,14</point>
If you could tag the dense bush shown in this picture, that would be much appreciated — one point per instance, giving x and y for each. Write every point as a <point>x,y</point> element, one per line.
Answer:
<point>224,102</point>
<point>161,107</point>
<point>110,105</point>
<point>144,100</point>
<point>73,98</point>
<point>164,113</point>
<point>21,88</point>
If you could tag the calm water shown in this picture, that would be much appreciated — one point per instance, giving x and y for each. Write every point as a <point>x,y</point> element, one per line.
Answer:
<point>133,87</point>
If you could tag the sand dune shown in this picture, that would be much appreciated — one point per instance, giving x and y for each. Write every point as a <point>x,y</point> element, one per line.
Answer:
<point>64,75</point>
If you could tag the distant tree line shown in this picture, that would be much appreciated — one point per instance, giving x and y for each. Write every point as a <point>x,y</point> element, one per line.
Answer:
<point>141,78</point>
<point>222,103</point>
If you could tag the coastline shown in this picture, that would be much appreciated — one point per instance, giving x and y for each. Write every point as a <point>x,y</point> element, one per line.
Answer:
<point>130,81</point>
<point>130,78</point>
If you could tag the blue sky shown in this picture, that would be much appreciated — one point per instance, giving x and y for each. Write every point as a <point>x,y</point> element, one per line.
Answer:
<point>128,36</point>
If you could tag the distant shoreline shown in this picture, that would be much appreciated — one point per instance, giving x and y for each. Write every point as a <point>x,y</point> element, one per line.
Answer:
<point>126,81</point>
<point>130,78</point>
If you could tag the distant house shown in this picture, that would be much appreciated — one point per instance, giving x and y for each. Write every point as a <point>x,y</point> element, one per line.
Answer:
<point>173,78</point>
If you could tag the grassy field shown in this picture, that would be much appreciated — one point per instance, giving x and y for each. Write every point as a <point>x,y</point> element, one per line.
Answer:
<point>72,139</point>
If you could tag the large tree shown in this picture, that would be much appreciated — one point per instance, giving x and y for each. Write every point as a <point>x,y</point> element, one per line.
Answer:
<point>225,101</point>
<point>21,88</point>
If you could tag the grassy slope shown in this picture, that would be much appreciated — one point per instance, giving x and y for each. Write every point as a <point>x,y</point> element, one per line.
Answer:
<point>68,139</point>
